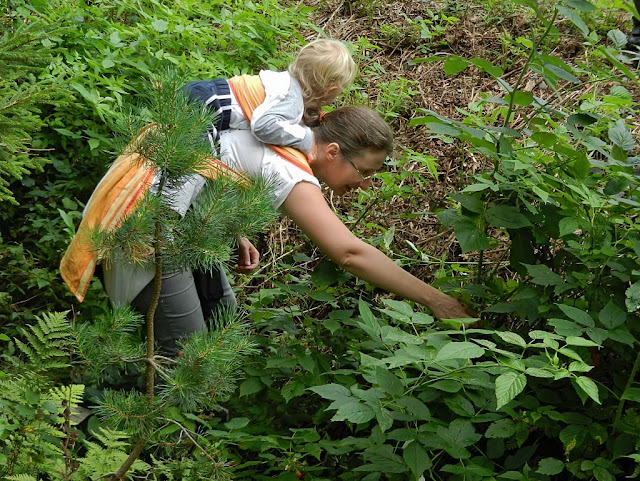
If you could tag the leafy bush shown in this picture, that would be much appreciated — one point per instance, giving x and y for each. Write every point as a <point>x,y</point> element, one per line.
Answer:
<point>548,388</point>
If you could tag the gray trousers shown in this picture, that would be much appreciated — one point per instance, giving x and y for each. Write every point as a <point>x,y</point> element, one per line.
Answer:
<point>187,300</point>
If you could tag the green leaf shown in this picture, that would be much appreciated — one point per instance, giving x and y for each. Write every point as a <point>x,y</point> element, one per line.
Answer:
<point>581,5</point>
<point>632,394</point>
<point>325,274</point>
<point>459,433</point>
<point>470,237</point>
<point>389,382</point>
<point>508,386</point>
<point>94,144</point>
<point>542,275</point>
<point>108,63</point>
<point>68,133</point>
<point>568,225</point>
<point>322,296</point>
<point>460,405</point>
<point>579,366</point>
<point>292,389</point>
<point>4,337</point>
<point>334,392</point>
<point>573,436</point>
<point>160,25</point>
<point>400,306</point>
<point>618,38</point>
<point>562,73</point>
<point>250,386</point>
<point>384,418</point>
<point>382,459</point>
<point>520,98</point>
<point>512,338</point>
<point>354,412</point>
<point>115,40</point>
<point>506,216</point>
<point>415,407</point>
<point>543,335</point>
<point>620,136</point>
<point>447,385</point>
<point>575,18</point>
<point>416,458</point>
<point>237,423</point>
<point>502,428</point>
<point>369,323</point>
<point>581,167</point>
<point>472,203</point>
<point>537,372</point>
<point>580,341</point>
<point>442,129</point>
<point>570,353</point>
<point>633,297</point>
<point>589,387</point>
<point>603,474</point>
<point>487,66</point>
<point>454,65</point>
<point>550,466</point>
<point>584,119</point>
<point>459,350</point>
<point>622,335</point>
<point>545,139</point>
<point>31,397</point>
<point>577,315</point>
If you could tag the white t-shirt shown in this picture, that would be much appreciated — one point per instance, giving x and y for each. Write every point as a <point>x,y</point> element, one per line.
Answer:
<point>241,151</point>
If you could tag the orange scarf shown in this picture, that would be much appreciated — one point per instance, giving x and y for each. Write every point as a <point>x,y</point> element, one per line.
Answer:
<point>116,196</point>
<point>128,180</point>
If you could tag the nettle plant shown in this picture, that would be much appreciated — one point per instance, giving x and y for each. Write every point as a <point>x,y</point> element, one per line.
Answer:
<point>562,197</point>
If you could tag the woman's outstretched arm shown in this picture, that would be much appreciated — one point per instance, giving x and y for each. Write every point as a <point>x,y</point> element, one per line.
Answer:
<point>307,207</point>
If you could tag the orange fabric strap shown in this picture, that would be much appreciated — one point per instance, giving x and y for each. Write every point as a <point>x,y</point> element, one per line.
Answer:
<point>118,193</point>
<point>249,92</point>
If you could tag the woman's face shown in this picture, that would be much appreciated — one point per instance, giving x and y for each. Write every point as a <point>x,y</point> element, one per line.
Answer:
<point>343,174</point>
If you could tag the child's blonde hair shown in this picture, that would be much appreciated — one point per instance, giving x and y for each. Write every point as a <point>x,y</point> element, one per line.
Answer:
<point>320,65</point>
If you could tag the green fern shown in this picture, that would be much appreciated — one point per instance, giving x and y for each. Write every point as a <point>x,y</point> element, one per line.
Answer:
<point>66,397</point>
<point>22,477</point>
<point>100,460</point>
<point>47,342</point>
<point>30,399</point>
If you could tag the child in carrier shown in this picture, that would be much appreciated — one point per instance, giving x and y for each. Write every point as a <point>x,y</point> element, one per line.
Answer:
<point>292,99</point>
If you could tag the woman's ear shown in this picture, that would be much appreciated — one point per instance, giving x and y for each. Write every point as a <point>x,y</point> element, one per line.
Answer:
<point>332,150</point>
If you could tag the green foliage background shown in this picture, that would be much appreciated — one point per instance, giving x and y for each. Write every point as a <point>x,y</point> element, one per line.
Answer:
<point>345,386</point>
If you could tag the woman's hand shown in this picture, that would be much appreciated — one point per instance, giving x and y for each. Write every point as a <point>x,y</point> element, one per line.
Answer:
<point>248,256</point>
<point>446,307</point>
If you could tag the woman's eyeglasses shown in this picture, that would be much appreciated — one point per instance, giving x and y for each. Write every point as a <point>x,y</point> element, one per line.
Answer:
<point>362,176</point>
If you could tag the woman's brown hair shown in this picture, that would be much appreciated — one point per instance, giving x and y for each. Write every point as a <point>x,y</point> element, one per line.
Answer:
<point>354,129</point>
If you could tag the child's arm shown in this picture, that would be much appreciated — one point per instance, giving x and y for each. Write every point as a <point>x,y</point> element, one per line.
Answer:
<point>278,119</point>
